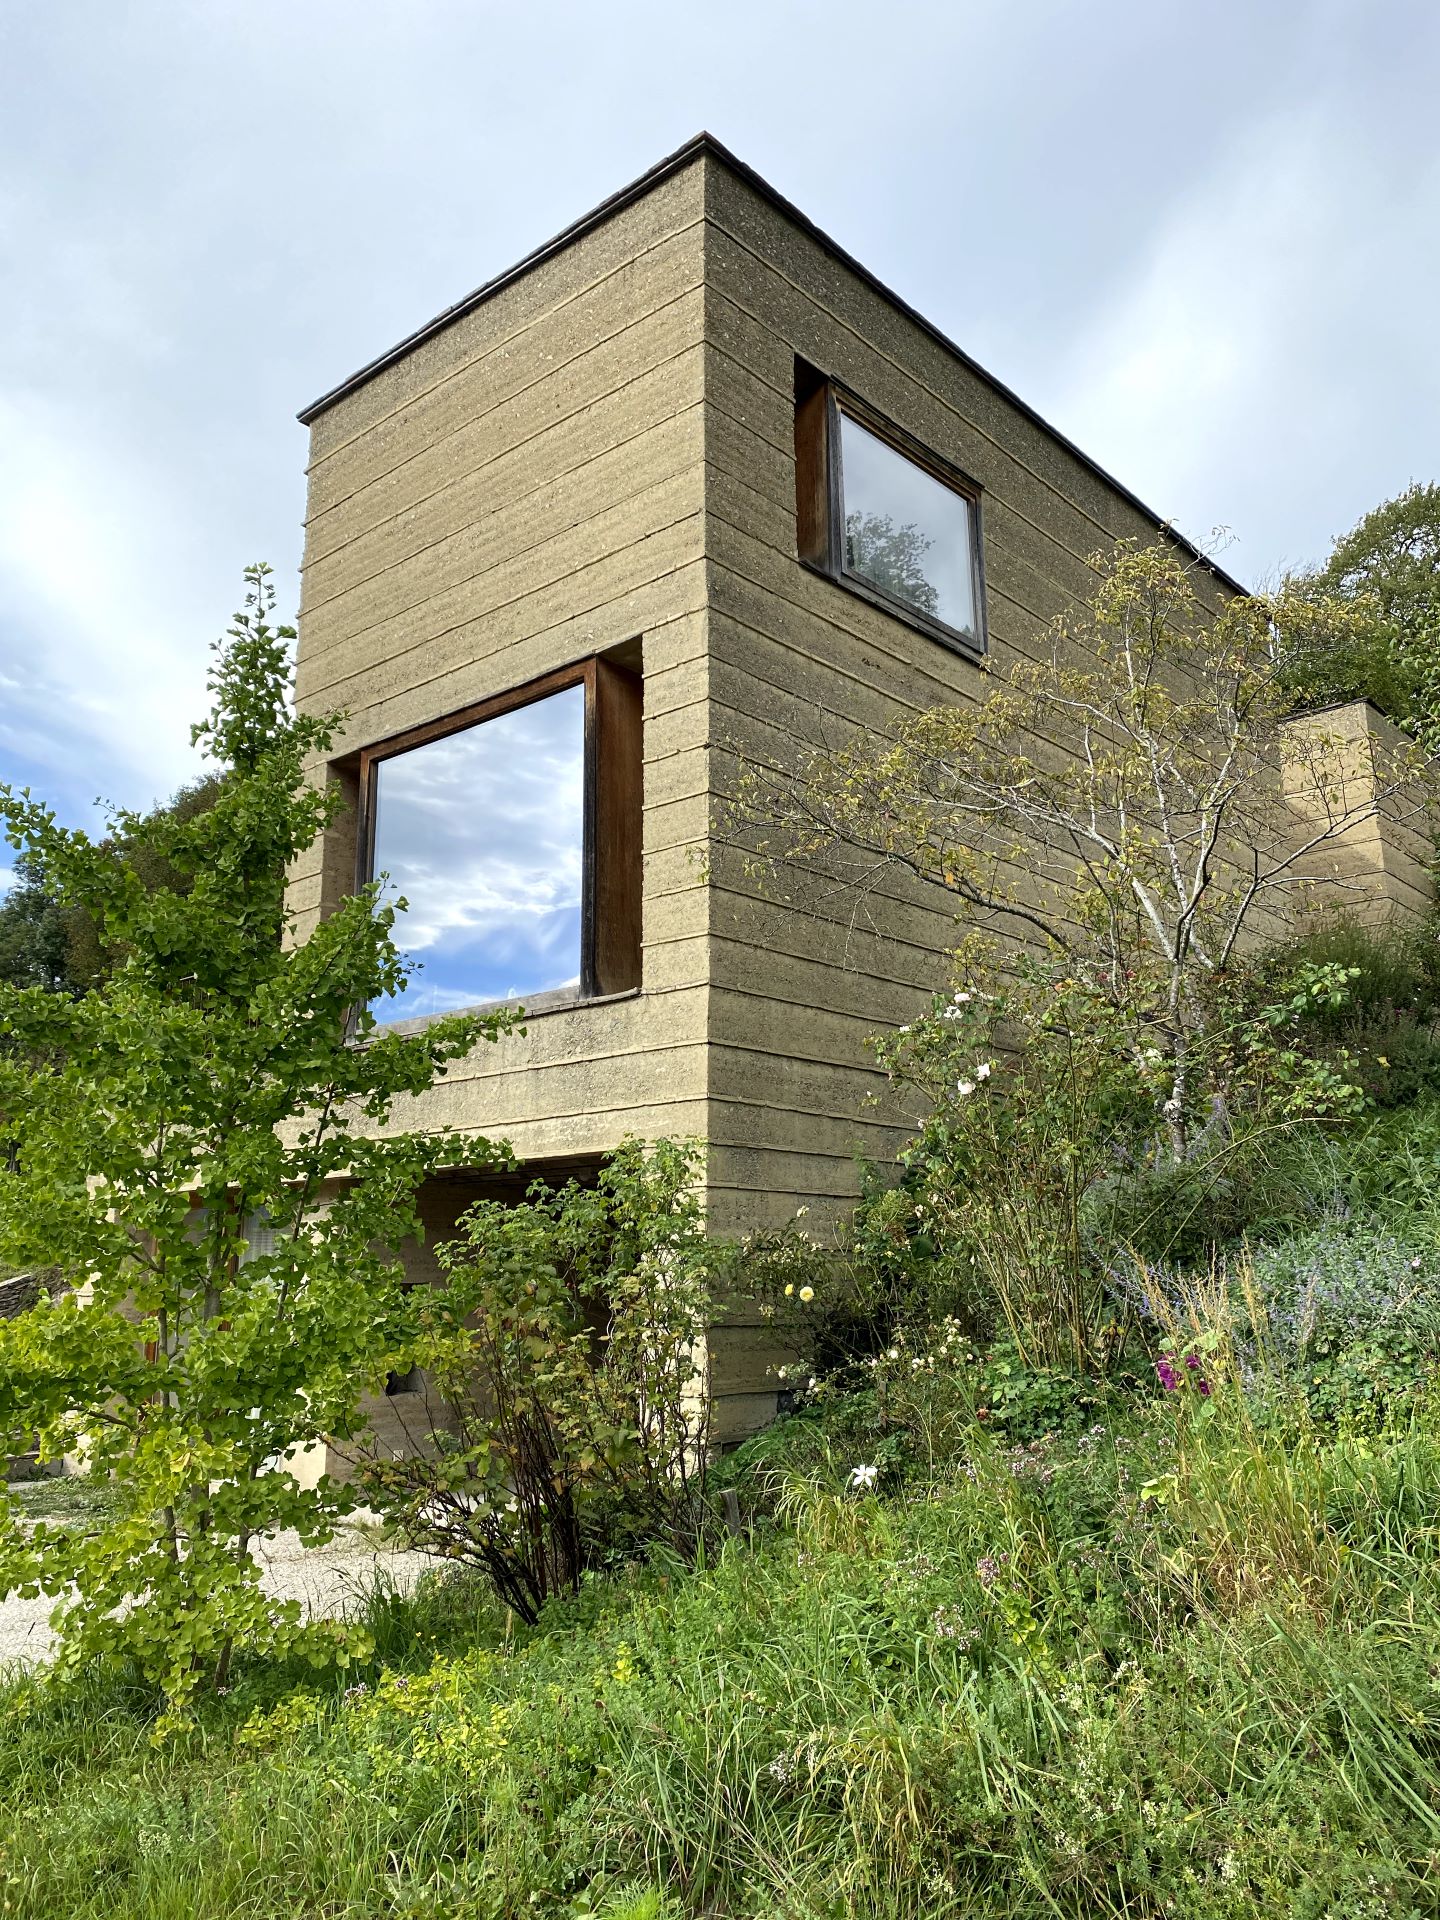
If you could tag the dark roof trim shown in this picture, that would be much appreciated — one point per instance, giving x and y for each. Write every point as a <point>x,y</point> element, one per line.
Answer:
<point>693,149</point>
<point>597,216</point>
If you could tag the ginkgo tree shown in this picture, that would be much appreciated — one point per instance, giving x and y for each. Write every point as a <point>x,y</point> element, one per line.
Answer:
<point>223,1073</point>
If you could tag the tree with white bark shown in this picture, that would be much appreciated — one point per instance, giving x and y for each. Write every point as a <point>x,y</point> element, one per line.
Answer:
<point>1134,802</point>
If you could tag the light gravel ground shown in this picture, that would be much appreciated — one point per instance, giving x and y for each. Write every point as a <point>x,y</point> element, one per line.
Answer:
<point>326,1579</point>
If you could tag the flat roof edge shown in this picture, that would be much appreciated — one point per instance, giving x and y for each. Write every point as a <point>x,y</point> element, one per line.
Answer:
<point>703,144</point>
<point>596,217</point>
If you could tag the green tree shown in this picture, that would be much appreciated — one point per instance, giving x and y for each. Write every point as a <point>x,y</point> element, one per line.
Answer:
<point>584,1310</point>
<point>90,957</point>
<point>1386,571</point>
<point>222,1073</point>
<point>34,936</point>
<point>1393,553</point>
<point>63,948</point>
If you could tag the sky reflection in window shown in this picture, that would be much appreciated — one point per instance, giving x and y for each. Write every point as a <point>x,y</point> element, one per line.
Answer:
<point>480,832</point>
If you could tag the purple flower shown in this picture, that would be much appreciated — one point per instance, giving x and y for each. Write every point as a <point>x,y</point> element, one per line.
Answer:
<point>1192,1360</point>
<point>1169,1379</point>
<point>1204,1386</point>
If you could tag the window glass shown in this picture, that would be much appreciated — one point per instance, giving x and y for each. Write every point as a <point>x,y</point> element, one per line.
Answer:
<point>261,1239</point>
<point>481,833</point>
<point>904,531</point>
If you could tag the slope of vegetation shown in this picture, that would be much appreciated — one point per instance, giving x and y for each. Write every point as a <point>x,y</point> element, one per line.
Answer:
<point>1093,1572</point>
<point>993,1639</point>
<point>1140,1663</point>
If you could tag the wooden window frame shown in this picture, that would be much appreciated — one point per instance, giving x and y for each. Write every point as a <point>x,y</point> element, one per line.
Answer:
<point>611,871</point>
<point>820,503</point>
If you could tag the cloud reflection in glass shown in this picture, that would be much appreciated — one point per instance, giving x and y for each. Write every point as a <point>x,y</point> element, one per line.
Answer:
<point>481,833</point>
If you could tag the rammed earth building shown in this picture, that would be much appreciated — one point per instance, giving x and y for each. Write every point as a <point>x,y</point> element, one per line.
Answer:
<point>679,481</point>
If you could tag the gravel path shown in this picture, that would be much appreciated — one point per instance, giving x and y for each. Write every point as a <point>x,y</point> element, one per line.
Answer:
<point>326,1579</point>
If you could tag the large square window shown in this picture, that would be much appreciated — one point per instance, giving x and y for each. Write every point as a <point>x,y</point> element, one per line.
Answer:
<point>511,831</point>
<point>883,517</point>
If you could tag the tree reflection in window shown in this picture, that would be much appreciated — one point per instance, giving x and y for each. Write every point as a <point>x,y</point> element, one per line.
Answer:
<point>891,557</point>
<point>906,532</point>
<point>481,833</point>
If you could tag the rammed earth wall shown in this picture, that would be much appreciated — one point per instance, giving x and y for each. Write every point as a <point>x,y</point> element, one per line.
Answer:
<point>596,456</point>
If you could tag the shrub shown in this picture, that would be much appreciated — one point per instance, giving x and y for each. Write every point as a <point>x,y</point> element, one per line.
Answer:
<point>568,1342</point>
<point>1386,571</point>
<point>1386,1028</point>
<point>1046,1139</point>
<point>909,1414</point>
<point>1348,1314</point>
<point>1341,1321</point>
<point>1029,1096</point>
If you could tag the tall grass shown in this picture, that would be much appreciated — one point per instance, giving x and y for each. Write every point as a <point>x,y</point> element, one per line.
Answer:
<point>1185,1665</point>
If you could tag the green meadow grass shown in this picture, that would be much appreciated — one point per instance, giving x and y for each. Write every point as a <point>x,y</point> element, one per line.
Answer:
<point>1141,1672</point>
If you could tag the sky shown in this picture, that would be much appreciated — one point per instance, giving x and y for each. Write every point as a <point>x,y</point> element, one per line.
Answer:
<point>492,914</point>
<point>1201,241</point>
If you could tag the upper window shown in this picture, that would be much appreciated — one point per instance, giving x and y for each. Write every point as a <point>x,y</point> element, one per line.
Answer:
<point>511,831</point>
<point>885,518</point>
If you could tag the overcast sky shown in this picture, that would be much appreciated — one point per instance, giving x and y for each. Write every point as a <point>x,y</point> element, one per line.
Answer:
<point>1201,240</point>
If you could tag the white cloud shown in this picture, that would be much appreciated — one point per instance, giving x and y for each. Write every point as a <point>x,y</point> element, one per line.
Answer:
<point>480,833</point>
<point>96,676</point>
<point>1231,378</point>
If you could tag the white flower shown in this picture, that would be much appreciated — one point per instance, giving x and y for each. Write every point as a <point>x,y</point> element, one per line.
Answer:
<point>864,1477</point>
<point>984,1070</point>
<point>962,999</point>
<point>807,1293</point>
<point>965,1088</point>
<point>800,1212</point>
<point>892,1353</point>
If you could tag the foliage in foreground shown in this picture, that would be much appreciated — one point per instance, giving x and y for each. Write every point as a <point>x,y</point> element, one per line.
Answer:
<point>567,1345</point>
<point>209,1081</point>
<point>1002,1638</point>
<point>1158,1660</point>
<point>1042,1144</point>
